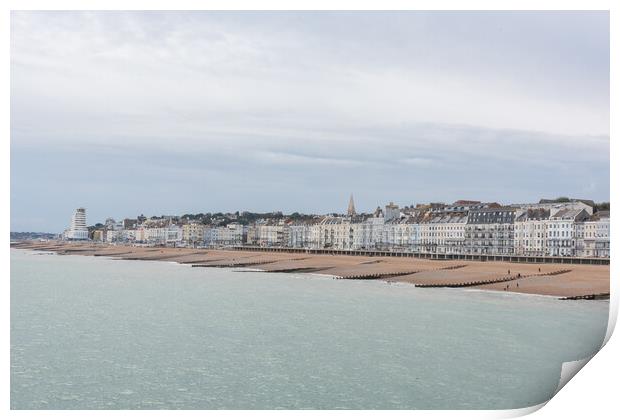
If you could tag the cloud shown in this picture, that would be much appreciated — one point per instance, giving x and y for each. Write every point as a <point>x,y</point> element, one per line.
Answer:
<point>144,102</point>
<point>291,159</point>
<point>419,162</point>
<point>141,73</point>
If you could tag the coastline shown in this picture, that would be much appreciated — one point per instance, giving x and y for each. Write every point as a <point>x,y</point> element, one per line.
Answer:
<point>553,280</point>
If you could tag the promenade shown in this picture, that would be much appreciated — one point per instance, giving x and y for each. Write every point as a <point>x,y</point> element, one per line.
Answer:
<point>437,256</point>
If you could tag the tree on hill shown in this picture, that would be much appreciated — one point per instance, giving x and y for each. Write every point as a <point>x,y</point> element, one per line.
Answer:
<point>604,206</point>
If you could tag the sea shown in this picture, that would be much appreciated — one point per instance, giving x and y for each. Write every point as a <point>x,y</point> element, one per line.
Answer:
<point>102,333</point>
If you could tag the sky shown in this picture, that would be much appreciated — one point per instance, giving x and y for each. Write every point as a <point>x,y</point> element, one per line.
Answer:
<point>153,113</point>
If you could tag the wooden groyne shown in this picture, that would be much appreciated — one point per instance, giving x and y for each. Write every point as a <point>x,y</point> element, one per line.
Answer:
<point>453,267</point>
<point>203,260</point>
<point>69,250</point>
<point>34,247</point>
<point>116,254</point>
<point>246,263</point>
<point>552,273</point>
<point>471,283</point>
<point>504,279</point>
<point>162,257</point>
<point>374,276</point>
<point>237,264</point>
<point>371,262</point>
<point>297,270</point>
<point>599,296</point>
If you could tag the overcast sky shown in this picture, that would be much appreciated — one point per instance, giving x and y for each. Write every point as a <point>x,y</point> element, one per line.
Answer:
<point>187,112</point>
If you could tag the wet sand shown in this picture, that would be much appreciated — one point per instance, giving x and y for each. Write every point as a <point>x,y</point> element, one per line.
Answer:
<point>579,281</point>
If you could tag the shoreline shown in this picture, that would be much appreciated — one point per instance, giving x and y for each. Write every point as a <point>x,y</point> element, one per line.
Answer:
<point>552,280</point>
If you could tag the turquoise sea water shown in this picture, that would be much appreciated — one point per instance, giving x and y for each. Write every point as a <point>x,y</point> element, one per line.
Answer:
<point>91,332</point>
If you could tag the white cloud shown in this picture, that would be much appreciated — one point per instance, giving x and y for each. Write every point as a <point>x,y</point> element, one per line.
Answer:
<point>419,162</point>
<point>186,75</point>
<point>372,100</point>
<point>291,159</point>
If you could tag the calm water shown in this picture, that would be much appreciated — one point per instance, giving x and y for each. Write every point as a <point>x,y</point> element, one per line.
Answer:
<point>89,332</point>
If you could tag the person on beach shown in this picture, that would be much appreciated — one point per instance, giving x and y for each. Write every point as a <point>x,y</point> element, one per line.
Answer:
<point>508,271</point>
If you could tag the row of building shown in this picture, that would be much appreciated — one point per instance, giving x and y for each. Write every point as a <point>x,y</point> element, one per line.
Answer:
<point>567,228</point>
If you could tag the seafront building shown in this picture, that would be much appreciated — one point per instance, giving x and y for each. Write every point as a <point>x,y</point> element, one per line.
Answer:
<point>530,232</point>
<point>567,228</point>
<point>77,230</point>
<point>401,233</point>
<point>592,236</point>
<point>554,205</point>
<point>444,234</point>
<point>299,235</point>
<point>561,231</point>
<point>193,233</point>
<point>165,235</point>
<point>233,234</point>
<point>601,239</point>
<point>490,231</point>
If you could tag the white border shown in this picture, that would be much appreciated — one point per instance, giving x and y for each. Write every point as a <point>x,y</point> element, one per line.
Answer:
<point>592,395</point>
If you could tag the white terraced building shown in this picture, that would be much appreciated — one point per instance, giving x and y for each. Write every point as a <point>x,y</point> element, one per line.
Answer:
<point>163,235</point>
<point>449,233</point>
<point>370,233</point>
<point>78,230</point>
<point>399,233</point>
<point>561,241</point>
<point>530,232</point>
<point>273,235</point>
<point>233,234</point>
<point>333,232</point>
<point>299,235</point>
<point>592,236</point>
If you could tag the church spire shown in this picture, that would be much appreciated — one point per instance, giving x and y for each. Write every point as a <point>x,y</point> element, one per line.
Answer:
<point>351,209</point>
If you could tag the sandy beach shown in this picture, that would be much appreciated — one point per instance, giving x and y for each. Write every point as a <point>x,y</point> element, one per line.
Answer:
<point>562,280</point>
